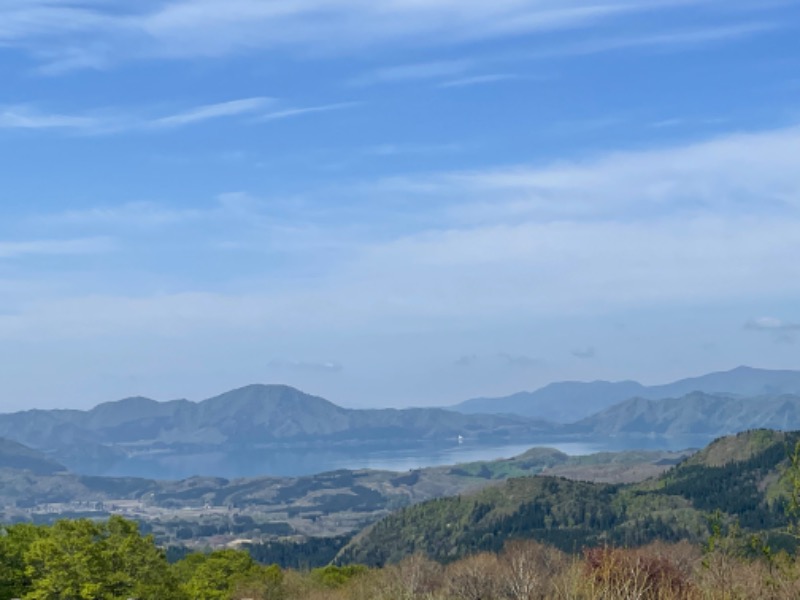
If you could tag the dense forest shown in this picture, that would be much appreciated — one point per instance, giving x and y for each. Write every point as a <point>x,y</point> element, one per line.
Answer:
<point>744,477</point>
<point>87,560</point>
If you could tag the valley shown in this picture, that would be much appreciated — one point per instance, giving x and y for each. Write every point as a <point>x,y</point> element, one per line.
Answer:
<point>213,511</point>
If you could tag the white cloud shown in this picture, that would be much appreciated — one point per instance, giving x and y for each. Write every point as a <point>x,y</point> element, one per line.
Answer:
<point>692,225</point>
<point>414,72</point>
<point>305,110</point>
<point>118,121</point>
<point>17,249</point>
<point>783,332</point>
<point>25,117</point>
<point>318,366</point>
<point>772,324</point>
<point>739,174</point>
<point>478,80</point>
<point>666,40</point>
<point>212,111</point>
<point>131,214</point>
<point>71,34</point>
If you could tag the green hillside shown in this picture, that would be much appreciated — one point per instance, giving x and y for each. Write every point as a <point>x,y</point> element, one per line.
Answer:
<point>742,476</point>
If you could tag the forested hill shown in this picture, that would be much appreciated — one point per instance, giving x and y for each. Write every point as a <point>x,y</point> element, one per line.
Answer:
<point>742,476</point>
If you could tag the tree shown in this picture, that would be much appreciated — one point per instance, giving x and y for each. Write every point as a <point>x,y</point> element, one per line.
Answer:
<point>85,560</point>
<point>528,568</point>
<point>263,583</point>
<point>214,576</point>
<point>476,577</point>
<point>14,543</point>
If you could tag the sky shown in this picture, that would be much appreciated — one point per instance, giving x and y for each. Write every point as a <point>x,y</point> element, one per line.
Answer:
<point>393,202</point>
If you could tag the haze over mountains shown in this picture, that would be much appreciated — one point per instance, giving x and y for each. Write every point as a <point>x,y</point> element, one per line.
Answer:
<point>247,421</point>
<point>256,430</point>
<point>568,401</point>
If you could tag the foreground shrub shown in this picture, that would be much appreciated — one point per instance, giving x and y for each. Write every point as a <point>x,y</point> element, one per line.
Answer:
<point>616,573</point>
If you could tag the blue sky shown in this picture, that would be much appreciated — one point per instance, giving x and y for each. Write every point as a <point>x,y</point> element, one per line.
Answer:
<point>393,202</point>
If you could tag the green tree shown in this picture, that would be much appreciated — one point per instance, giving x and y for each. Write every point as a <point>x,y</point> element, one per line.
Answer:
<point>14,543</point>
<point>85,560</point>
<point>214,576</point>
<point>263,583</point>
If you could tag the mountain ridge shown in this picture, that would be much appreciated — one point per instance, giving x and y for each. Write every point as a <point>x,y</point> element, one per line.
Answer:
<point>568,401</point>
<point>696,413</point>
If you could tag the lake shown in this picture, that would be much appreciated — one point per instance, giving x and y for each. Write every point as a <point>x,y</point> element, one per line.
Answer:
<point>293,462</point>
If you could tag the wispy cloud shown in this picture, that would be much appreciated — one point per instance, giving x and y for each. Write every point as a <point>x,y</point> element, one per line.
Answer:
<point>413,72</point>
<point>289,113</point>
<point>129,214</point>
<point>213,111</point>
<point>18,249</point>
<point>317,366</point>
<point>478,80</point>
<point>414,149</point>
<point>704,177</point>
<point>771,324</point>
<point>664,40</point>
<point>783,332</point>
<point>66,35</point>
<point>584,353</point>
<point>682,226</point>
<point>117,121</point>
<point>26,117</point>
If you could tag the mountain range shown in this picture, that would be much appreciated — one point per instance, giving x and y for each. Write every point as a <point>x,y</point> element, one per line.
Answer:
<point>693,414</point>
<point>569,401</point>
<point>241,421</point>
<point>259,429</point>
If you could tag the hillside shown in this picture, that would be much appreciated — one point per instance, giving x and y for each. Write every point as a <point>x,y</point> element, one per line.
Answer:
<point>16,456</point>
<point>212,510</point>
<point>569,401</point>
<point>136,435</point>
<point>571,514</point>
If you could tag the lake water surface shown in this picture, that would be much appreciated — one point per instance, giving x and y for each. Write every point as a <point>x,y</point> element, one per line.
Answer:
<point>293,462</point>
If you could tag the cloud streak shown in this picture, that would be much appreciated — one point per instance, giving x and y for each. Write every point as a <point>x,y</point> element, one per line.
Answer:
<point>25,117</point>
<point>254,109</point>
<point>70,247</point>
<point>663,40</point>
<point>413,72</point>
<point>314,366</point>
<point>70,34</point>
<point>725,174</point>
<point>478,80</point>
<point>289,113</point>
<point>771,324</point>
<point>783,332</point>
<point>213,111</point>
